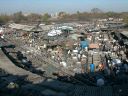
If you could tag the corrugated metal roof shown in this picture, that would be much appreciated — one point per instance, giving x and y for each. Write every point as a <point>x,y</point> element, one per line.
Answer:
<point>125,33</point>
<point>93,46</point>
<point>37,29</point>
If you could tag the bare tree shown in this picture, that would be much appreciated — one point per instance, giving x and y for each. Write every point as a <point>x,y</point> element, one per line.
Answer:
<point>96,10</point>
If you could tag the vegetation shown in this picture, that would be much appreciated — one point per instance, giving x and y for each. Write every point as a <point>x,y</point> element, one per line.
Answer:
<point>4,19</point>
<point>63,16</point>
<point>18,17</point>
<point>125,15</point>
<point>33,17</point>
<point>46,18</point>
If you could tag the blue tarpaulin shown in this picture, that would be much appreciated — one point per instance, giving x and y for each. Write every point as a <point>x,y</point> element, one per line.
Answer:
<point>84,44</point>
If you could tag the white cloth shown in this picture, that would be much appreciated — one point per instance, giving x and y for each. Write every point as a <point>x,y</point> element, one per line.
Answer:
<point>75,51</point>
<point>115,48</point>
<point>78,56</point>
<point>54,33</point>
<point>69,52</point>
<point>116,61</point>
<point>63,63</point>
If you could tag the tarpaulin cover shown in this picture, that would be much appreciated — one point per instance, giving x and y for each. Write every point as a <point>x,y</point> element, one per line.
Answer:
<point>84,44</point>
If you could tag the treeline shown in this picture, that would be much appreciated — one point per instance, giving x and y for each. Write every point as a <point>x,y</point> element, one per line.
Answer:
<point>81,16</point>
<point>95,13</point>
<point>19,17</point>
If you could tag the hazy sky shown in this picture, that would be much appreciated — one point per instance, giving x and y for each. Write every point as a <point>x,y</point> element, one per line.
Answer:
<point>52,6</point>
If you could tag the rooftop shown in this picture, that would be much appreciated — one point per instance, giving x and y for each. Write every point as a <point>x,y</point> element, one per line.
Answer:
<point>125,33</point>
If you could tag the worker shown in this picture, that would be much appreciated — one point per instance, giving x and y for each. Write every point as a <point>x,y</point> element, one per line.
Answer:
<point>107,71</point>
<point>86,68</point>
<point>92,67</point>
<point>79,57</point>
<point>69,53</point>
<point>101,67</point>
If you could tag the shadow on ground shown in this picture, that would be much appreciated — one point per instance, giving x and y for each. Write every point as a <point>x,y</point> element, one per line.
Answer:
<point>78,85</point>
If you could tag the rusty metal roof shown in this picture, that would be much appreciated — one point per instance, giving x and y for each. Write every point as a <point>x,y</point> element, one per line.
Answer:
<point>93,46</point>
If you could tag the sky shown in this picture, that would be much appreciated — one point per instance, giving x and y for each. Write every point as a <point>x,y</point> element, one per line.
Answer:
<point>53,6</point>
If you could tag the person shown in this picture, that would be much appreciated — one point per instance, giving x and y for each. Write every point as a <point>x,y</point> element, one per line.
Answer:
<point>101,67</point>
<point>69,52</point>
<point>104,48</point>
<point>107,71</point>
<point>86,68</point>
<point>79,56</point>
<point>92,67</point>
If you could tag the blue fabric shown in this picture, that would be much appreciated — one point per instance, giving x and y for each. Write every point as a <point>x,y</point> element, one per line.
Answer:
<point>92,67</point>
<point>84,44</point>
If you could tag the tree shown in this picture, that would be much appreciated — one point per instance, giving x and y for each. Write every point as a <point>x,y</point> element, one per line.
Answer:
<point>4,19</point>
<point>125,19</point>
<point>33,17</point>
<point>18,17</point>
<point>96,10</point>
<point>46,18</point>
<point>62,14</point>
<point>78,15</point>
